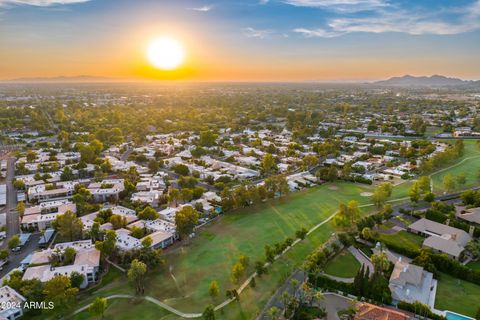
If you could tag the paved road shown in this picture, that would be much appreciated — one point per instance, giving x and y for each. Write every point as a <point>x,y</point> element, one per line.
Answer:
<point>334,303</point>
<point>16,257</point>
<point>13,223</point>
<point>125,155</point>
<point>276,300</point>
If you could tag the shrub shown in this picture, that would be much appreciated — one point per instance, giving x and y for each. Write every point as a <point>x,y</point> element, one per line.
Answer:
<point>419,308</point>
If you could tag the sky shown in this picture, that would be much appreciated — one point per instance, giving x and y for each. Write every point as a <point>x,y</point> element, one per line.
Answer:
<point>242,40</point>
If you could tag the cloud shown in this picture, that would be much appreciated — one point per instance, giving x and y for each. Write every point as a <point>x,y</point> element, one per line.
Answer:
<point>39,3</point>
<point>394,19</point>
<point>202,8</point>
<point>263,1</point>
<point>310,33</point>
<point>256,33</point>
<point>339,5</point>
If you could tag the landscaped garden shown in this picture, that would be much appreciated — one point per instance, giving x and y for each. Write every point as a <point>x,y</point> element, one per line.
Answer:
<point>343,265</point>
<point>457,295</point>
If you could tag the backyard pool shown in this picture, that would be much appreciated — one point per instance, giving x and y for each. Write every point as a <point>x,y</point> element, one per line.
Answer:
<point>455,316</point>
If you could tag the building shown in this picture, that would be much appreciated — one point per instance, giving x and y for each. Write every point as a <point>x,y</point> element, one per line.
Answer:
<point>11,303</point>
<point>367,311</point>
<point>87,263</point>
<point>50,192</point>
<point>125,241</point>
<point>106,190</point>
<point>411,283</point>
<point>470,214</point>
<point>163,233</point>
<point>440,237</point>
<point>41,216</point>
<point>129,214</point>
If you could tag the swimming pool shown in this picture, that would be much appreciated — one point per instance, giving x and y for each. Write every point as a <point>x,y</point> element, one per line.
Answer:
<point>455,316</point>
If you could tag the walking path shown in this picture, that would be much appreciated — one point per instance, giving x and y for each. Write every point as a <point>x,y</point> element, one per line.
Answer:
<point>361,258</point>
<point>116,265</point>
<point>240,289</point>
<point>448,168</point>
<point>147,298</point>
<point>339,279</point>
<point>247,282</point>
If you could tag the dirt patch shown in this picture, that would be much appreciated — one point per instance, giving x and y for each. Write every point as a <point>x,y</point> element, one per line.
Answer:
<point>366,194</point>
<point>333,188</point>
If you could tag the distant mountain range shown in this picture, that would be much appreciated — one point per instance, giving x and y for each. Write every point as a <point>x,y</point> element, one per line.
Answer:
<point>405,81</point>
<point>433,81</point>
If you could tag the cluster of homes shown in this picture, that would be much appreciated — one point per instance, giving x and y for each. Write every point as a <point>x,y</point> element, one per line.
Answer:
<point>387,166</point>
<point>409,282</point>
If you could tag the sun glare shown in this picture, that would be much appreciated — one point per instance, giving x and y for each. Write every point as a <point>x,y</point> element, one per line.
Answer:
<point>165,53</point>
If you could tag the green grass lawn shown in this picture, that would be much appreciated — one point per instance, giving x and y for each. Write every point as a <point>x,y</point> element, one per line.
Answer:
<point>403,238</point>
<point>126,309</point>
<point>343,265</point>
<point>469,167</point>
<point>184,280</point>
<point>216,249</point>
<point>474,265</point>
<point>457,295</point>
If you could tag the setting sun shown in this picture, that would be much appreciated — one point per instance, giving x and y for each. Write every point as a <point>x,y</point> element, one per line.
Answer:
<point>165,53</point>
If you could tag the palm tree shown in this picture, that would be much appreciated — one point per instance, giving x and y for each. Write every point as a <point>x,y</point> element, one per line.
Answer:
<point>272,313</point>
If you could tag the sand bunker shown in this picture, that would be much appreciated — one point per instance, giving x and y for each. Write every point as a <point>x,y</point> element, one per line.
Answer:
<point>366,194</point>
<point>334,188</point>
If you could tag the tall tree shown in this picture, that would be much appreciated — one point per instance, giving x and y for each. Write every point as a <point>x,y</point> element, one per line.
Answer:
<point>449,182</point>
<point>185,220</point>
<point>414,193</point>
<point>68,225</point>
<point>98,307</point>
<point>268,163</point>
<point>209,313</point>
<point>107,246</point>
<point>136,273</point>
<point>213,289</point>
<point>59,290</point>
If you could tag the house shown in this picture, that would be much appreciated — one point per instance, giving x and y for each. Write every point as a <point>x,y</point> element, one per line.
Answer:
<point>11,303</point>
<point>125,241</point>
<point>163,233</point>
<point>87,263</point>
<point>367,311</point>
<point>151,197</point>
<point>411,283</point>
<point>440,237</point>
<point>41,216</point>
<point>49,192</point>
<point>106,190</point>
<point>470,215</point>
<point>129,214</point>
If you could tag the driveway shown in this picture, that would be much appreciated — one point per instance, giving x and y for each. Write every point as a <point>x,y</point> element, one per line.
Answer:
<point>334,303</point>
<point>361,258</point>
<point>276,300</point>
<point>16,257</point>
